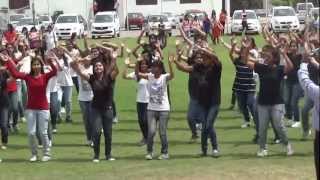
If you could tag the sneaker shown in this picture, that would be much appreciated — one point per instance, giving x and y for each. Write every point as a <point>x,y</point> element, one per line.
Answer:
<point>149,156</point>
<point>90,143</point>
<point>96,160</point>
<point>245,125</point>
<point>215,153</point>
<point>296,125</point>
<point>199,126</point>
<point>62,110</point>
<point>276,141</point>
<point>110,159</point>
<point>163,157</point>
<point>33,158</point>
<point>50,143</point>
<point>262,153</point>
<point>289,150</point>
<point>45,158</point>
<point>23,119</point>
<point>40,146</point>
<point>54,131</point>
<point>115,120</point>
<point>305,135</point>
<point>3,147</point>
<point>290,122</point>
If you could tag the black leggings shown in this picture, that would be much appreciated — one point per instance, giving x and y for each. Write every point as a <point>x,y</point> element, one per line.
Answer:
<point>143,118</point>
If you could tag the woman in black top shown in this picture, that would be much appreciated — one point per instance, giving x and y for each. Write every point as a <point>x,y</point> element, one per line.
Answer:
<point>102,86</point>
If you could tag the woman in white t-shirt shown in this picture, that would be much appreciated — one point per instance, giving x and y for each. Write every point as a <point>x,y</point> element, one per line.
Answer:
<point>142,96</point>
<point>159,106</point>
<point>50,38</point>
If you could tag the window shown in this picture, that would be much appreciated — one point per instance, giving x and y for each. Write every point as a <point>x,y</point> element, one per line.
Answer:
<point>17,4</point>
<point>189,1</point>
<point>146,2</point>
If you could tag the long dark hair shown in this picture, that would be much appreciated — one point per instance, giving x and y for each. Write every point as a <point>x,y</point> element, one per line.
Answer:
<point>35,59</point>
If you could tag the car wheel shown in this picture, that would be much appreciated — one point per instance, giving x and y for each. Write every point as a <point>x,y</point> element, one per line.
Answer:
<point>170,34</point>
<point>147,34</point>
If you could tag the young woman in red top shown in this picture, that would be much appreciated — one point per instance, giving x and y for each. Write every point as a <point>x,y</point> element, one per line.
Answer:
<point>37,111</point>
<point>10,36</point>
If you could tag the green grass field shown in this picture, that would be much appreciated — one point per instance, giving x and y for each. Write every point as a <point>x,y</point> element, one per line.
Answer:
<point>73,160</point>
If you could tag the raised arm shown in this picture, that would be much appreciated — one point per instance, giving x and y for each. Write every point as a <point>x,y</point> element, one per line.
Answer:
<point>76,68</point>
<point>171,60</point>
<point>311,89</point>
<point>181,65</point>
<point>140,36</point>
<point>186,39</point>
<point>12,67</point>
<point>288,66</point>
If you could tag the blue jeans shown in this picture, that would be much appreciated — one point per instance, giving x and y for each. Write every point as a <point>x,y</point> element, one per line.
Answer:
<point>308,105</point>
<point>209,116</point>
<point>4,124</point>
<point>102,119</point>
<point>153,117</point>
<point>86,111</point>
<point>194,113</point>
<point>67,97</point>
<point>54,109</point>
<point>292,94</point>
<point>143,118</point>
<point>20,92</point>
<point>13,108</point>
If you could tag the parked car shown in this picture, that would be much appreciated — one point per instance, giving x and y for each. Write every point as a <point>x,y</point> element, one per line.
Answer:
<point>153,22</point>
<point>67,24</point>
<point>303,10</point>
<point>15,18</point>
<point>135,20</point>
<point>252,20</point>
<point>28,23</point>
<point>262,16</point>
<point>283,18</point>
<point>45,20</point>
<point>106,24</point>
<point>174,20</point>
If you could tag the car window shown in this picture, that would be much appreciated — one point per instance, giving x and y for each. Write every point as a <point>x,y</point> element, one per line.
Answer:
<point>284,12</point>
<point>67,19</point>
<point>250,15</point>
<point>302,7</point>
<point>16,17</point>
<point>28,21</point>
<point>103,18</point>
<point>157,18</point>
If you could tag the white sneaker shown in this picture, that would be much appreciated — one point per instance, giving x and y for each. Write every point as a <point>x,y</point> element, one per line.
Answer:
<point>149,157</point>
<point>199,126</point>
<point>62,110</point>
<point>115,120</point>
<point>111,159</point>
<point>215,153</point>
<point>3,147</point>
<point>163,157</point>
<point>289,150</point>
<point>96,160</point>
<point>54,131</point>
<point>50,143</point>
<point>40,146</point>
<point>45,158</point>
<point>23,119</point>
<point>0,160</point>
<point>296,125</point>
<point>262,153</point>
<point>33,158</point>
<point>245,125</point>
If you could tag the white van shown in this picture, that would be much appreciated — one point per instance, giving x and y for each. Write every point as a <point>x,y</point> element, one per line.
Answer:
<point>105,24</point>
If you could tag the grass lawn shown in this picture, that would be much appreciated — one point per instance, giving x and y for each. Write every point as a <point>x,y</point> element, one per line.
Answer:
<point>73,160</point>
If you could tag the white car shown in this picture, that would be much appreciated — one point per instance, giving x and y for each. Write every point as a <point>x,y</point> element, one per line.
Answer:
<point>45,20</point>
<point>303,10</point>
<point>153,22</point>
<point>67,24</point>
<point>174,20</point>
<point>106,24</point>
<point>284,18</point>
<point>252,20</point>
<point>15,18</point>
<point>28,23</point>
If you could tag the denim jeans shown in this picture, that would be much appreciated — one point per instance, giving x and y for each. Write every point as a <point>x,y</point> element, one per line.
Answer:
<point>153,117</point>
<point>102,119</point>
<point>308,105</point>
<point>86,111</point>
<point>21,106</point>
<point>40,117</point>
<point>76,83</point>
<point>292,93</point>
<point>209,116</point>
<point>143,118</point>
<point>13,108</point>
<point>274,113</point>
<point>54,109</point>
<point>194,113</point>
<point>4,124</point>
<point>67,97</point>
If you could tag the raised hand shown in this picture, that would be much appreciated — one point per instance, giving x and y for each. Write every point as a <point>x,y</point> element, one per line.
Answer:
<point>127,61</point>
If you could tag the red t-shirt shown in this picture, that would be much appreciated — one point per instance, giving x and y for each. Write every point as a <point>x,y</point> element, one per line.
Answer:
<point>10,37</point>
<point>11,85</point>
<point>37,99</point>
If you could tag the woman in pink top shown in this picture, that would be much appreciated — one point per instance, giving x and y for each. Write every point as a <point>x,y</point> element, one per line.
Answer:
<point>37,112</point>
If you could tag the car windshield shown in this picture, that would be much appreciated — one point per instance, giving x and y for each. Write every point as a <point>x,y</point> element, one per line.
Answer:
<point>16,17</point>
<point>67,19</point>
<point>303,7</point>
<point>157,18</point>
<point>23,22</point>
<point>103,18</point>
<point>250,15</point>
<point>284,12</point>
<point>44,18</point>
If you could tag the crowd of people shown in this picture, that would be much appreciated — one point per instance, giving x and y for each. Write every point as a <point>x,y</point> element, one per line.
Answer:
<point>35,65</point>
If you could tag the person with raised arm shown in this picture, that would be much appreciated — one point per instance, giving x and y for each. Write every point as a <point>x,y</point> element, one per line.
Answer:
<point>37,111</point>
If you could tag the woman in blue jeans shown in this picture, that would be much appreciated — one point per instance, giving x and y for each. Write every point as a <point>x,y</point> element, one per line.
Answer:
<point>104,73</point>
